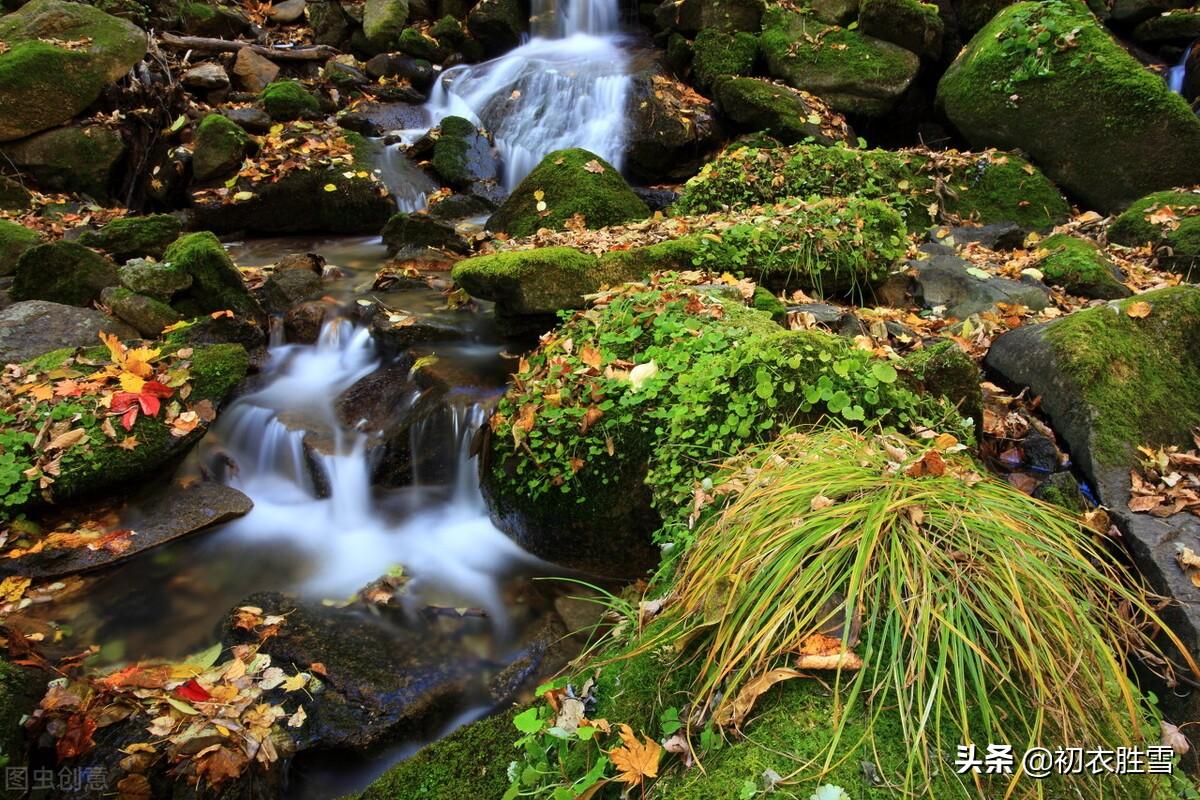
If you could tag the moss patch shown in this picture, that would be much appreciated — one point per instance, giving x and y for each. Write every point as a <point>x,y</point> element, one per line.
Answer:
<point>567,183</point>
<point>14,240</point>
<point>540,281</point>
<point>134,237</point>
<point>62,272</point>
<point>718,54</point>
<point>220,146</point>
<point>288,100</point>
<point>1168,221</point>
<point>911,24</point>
<point>790,115</point>
<point>1081,268</point>
<point>1104,352</point>
<point>216,283</point>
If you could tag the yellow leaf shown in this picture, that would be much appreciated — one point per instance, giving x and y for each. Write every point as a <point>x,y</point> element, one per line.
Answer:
<point>296,682</point>
<point>329,187</point>
<point>1138,310</point>
<point>635,760</point>
<point>132,383</point>
<point>539,195</point>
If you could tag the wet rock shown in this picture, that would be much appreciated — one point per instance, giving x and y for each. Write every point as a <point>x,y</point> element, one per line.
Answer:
<point>569,182</point>
<point>287,12</point>
<point>150,278</point>
<point>42,84</point>
<point>288,287</point>
<point>250,333</point>
<point>829,62</point>
<point>671,129</point>
<point>656,199</point>
<point>302,323</point>
<point>691,16</point>
<point>458,207</point>
<point>145,314</point>
<point>135,237</point>
<point>946,281</point>
<point>1041,453</point>
<point>62,272</point>
<point>789,115</point>
<point>169,514</point>
<point>394,65</point>
<point>1109,383</point>
<point>822,313</point>
<point>345,76</point>
<point>13,196</point>
<point>1124,135</point>
<point>72,159</point>
<point>397,331</point>
<point>207,77</point>
<point>997,236</point>
<point>498,25</point>
<point>330,24</point>
<point>14,240</point>
<point>383,22</point>
<point>415,232</point>
<point>462,155</point>
<point>251,120</point>
<point>312,262</point>
<point>254,72</point>
<point>31,328</point>
<point>215,20</point>
<point>369,693</point>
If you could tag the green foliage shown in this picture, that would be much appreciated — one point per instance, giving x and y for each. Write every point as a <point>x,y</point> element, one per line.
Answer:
<point>14,240</point>
<point>922,186</point>
<point>959,593</point>
<point>830,246</point>
<point>1030,37</point>
<point>16,456</point>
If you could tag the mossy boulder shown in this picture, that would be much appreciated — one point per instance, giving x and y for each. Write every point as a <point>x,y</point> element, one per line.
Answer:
<point>288,100</point>
<point>80,159</point>
<point>912,24</point>
<point>853,72</point>
<point>463,155</point>
<point>565,184</point>
<point>1169,222</point>
<point>33,327</point>
<point>62,272</point>
<point>717,54</point>
<point>1122,134</point>
<point>43,84</point>
<point>417,44</point>
<point>144,314</point>
<point>153,279</point>
<point>498,25</point>
<point>692,16</point>
<point>672,130</point>
<point>409,232</point>
<point>317,200</point>
<point>219,148</point>
<point>14,240</point>
<point>984,187</point>
<point>216,283</point>
<point>790,115</point>
<point>536,282</point>
<point>135,237</point>
<point>14,196</point>
<point>1080,267</point>
<point>1181,26</point>
<point>384,21</point>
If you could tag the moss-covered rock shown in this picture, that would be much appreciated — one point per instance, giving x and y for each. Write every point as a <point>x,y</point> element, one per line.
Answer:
<point>417,44</point>
<point>692,16</point>
<point>985,187</point>
<point>943,369</point>
<point>462,154</point>
<point>62,272</point>
<point>71,159</point>
<point>853,72</point>
<point>564,184</point>
<point>288,100</point>
<point>531,282</point>
<point>135,237</point>
<point>1169,222</point>
<point>144,314</point>
<point>498,25</point>
<point>13,196</point>
<point>717,54</point>
<point>671,132</point>
<point>14,240</point>
<point>153,279</point>
<point>1080,267</point>
<point>383,22</point>
<point>790,115</point>
<point>43,84</point>
<point>220,147</point>
<point>1181,26</point>
<point>216,283</point>
<point>914,25</point>
<point>1122,134</point>
<point>420,231</point>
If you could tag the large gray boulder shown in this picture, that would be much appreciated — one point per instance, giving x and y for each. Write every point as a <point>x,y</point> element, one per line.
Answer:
<point>35,327</point>
<point>60,56</point>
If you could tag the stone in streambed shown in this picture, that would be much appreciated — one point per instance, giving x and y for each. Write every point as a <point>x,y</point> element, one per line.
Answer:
<point>1123,134</point>
<point>383,22</point>
<point>254,72</point>
<point>788,114</point>
<point>672,129</point>
<point>44,83</point>
<point>216,283</point>
<point>135,237</point>
<point>62,272</point>
<point>948,282</point>
<point>150,278</point>
<point>914,25</point>
<point>717,54</point>
<point>31,328</point>
<point>287,12</point>
<point>498,25</point>
<point>462,155</point>
<point>206,77</point>
<point>289,287</point>
<point>285,101</point>
<point>417,232</point>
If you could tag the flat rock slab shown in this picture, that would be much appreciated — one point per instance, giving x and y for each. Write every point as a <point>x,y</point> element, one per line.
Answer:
<point>34,327</point>
<point>177,512</point>
<point>946,281</point>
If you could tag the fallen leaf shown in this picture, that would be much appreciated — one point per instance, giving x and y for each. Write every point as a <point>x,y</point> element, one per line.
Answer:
<point>1139,310</point>
<point>635,760</point>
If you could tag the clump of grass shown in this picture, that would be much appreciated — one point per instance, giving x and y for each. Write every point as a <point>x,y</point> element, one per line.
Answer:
<point>980,614</point>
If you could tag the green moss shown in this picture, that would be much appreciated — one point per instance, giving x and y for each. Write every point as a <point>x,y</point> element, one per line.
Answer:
<point>763,300</point>
<point>1080,267</point>
<point>1105,352</point>
<point>383,22</point>
<point>14,196</point>
<point>471,762</point>
<point>911,24</point>
<point>1174,234</point>
<point>220,146</point>
<point>943,369</point>
<point>419,45</point>
<point>449,32</point>
<point>758,105</point>
<point>451,152</point>
<point>541,281</point>
<point>852,72</point>
<point>637,262</point>
<point>134,237</point>
<point>718,54</point>
<point>569,182</point>
<point>216,283</point>
<point>14,240</point>
<point>288,100</point>
<point>985,188</point>
<point>62,272</point>
<point>71,159</point>
<point>1099,123</point>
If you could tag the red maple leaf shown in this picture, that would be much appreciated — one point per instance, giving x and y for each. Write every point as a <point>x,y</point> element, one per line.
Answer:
<point>127,404</point>
<point>192,692</point>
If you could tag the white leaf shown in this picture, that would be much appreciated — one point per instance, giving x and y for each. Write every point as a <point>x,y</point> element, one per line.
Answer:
<point>642,373</point>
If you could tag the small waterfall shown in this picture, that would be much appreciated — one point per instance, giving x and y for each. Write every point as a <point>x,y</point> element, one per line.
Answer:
<point>449,547</point>
<point>566,87</point>
<point>1177,73</point>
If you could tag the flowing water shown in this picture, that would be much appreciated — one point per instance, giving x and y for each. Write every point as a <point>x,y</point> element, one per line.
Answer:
<point>568,86</point>
<point>1176,74</point>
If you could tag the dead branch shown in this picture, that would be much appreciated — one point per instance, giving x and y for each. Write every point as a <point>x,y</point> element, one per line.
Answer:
<point>318,52</point>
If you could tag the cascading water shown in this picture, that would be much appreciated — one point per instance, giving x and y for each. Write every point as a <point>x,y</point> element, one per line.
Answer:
<point>567,87</point>
<point>1177,73</point>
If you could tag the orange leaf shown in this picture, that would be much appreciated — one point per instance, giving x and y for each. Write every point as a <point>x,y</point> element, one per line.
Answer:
<point>1138,310</point>
<point>636,760</point>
